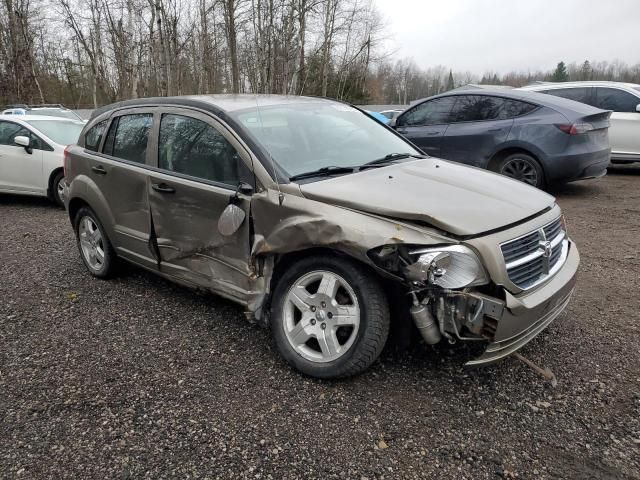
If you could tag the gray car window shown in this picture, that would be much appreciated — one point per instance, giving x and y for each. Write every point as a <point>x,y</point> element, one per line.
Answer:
<point>577,94</point>
<point>432,112</point>
<point>127,137</point>
<point>515,108</point>
<point>616,100</point>
<point>192,147</point>
<point>94,135</point>
<point>476,108</point>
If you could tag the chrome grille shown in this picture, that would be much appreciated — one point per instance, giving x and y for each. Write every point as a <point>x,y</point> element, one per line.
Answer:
<point>536,256</point>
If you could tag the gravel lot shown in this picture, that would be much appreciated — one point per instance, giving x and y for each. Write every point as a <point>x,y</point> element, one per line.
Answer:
<point>136,377</point>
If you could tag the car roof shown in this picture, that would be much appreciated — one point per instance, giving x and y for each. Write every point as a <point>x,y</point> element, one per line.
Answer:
<point>585,83</point>
<point>216,103</point>
<point>560,104</point>
<point>26,118</point>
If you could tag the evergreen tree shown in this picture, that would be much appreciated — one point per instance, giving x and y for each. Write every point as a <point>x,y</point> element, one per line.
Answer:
<point>585,71</point>
<point>560,74</point>
<point>450,85</point>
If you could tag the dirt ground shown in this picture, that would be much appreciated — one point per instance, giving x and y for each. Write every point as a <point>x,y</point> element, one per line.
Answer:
<point>135,377</point>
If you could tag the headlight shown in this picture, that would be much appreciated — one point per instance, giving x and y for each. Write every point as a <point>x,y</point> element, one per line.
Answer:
<point>456,266</point>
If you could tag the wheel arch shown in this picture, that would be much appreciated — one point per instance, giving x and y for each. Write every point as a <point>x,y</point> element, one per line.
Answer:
<point>52,176</point>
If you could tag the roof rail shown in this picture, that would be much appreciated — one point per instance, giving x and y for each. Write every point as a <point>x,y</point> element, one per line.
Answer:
<point>46,105</point>
<point>17,105</point>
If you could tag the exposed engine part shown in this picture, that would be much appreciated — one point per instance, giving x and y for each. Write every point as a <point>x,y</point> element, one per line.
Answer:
<point>544,372</point>
<point>426,324</point>
<point>457,310</point>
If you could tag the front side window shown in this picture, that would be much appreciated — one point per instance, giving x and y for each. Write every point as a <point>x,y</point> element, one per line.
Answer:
<point>578,94</point>
<point>93,137</point>
<point>616,100</point>
<point>9,131</point>
<point>192,147</point>
<point>432,112</point>
<point>476,108</point>
<point>127,137</point>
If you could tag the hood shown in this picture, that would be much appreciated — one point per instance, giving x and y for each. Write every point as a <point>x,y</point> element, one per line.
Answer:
<point>455,198</point>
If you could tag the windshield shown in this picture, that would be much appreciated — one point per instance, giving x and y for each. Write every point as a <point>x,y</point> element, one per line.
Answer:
<point>54,112</point>
<point>61,132</point>
<point>307,136</point>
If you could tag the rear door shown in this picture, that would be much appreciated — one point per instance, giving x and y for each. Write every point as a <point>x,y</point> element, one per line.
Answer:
<point>120,171</point>
<point>20,171</point>
<point>199,166</point>
<point>624,132</point>
<point>477,129</point>
<point>426,123</point>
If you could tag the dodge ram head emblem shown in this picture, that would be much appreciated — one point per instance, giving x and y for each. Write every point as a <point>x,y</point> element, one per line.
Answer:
<point>546,249</point>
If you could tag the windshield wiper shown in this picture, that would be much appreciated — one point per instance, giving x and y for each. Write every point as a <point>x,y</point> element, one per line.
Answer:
<point>323,172</point>
<point>392,157</point>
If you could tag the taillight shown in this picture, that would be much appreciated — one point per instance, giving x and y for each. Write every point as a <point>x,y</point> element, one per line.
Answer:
<point>576,128</point>
<point>65,163</point>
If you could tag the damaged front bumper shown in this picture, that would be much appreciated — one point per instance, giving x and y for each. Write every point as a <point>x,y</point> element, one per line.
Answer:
<point>511,323</point>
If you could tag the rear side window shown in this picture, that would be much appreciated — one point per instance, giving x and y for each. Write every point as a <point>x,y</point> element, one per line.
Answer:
<point>192,147</point>
<point>432,112</point>
<point>515,108</point>
<point>127,137</point>
<point>578,94</point>
<point>614,99</point>
<point>93,137</point>
<point>476,108</point>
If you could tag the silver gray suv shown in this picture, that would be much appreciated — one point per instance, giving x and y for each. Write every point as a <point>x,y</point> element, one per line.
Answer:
<point>316,219</point>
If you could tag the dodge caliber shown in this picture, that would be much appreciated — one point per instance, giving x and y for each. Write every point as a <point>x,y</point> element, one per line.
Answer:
<point>317,219</point>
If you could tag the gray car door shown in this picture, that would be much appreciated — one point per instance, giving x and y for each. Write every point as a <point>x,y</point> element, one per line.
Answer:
<point>199,165</point>
<point>118,166</point>
<point>426,123</point>
<point>476,130</point>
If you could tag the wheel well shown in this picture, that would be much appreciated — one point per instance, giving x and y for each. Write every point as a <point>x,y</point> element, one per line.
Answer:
<point>502,154</point>
<point>75,204</point>
<point>51,177</point>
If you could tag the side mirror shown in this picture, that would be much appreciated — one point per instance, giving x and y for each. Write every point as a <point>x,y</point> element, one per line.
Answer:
<point>23,142</point>
<point>638,108</point>
<point>233,216</point>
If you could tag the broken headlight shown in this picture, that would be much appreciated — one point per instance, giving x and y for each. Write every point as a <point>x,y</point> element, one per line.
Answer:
<point>449,267</point>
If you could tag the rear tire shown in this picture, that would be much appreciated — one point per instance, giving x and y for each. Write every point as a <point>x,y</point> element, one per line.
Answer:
<point>329,317</point>
<point>522,167</point>
<point>57,185</point>
<point>95,248</point>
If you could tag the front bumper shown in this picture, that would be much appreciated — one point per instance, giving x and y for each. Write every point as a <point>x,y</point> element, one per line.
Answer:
<point>521,318</point>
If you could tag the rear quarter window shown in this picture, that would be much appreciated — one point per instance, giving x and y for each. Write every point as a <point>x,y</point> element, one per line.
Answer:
<point>94,136</point>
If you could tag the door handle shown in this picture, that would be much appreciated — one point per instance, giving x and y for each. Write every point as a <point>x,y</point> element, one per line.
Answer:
<point>431,134</point>
<point>163,188</point>
<point>495,129</point>
<point>99,170</point>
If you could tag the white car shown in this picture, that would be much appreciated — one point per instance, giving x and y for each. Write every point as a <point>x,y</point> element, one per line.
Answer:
<point>32,154</point>
<point>622,98</point>
<point>43,110</point>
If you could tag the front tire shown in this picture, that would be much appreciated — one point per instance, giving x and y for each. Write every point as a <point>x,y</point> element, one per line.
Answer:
<point>329,317</point>
<point>522,167</point>
<point>94,245</point>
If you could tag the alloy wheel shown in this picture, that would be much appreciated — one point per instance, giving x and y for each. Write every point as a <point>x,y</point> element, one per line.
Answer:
<point>321,316</point>
<point>91,243</point>
<point>521,169</point>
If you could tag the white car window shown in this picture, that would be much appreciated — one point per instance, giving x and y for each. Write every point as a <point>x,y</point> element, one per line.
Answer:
<point>61,132</point>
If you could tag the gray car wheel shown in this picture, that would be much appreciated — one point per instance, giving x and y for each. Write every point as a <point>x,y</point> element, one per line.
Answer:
<point>329,317</point>
<point>522,167</point>
<point>94,246</point>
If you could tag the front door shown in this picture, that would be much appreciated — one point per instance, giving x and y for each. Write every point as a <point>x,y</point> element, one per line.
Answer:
<point>426,123</point>
<point>20,171</point>
<point>199,167</point>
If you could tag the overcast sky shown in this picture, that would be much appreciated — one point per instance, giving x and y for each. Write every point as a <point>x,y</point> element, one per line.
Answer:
<point>504,35</point>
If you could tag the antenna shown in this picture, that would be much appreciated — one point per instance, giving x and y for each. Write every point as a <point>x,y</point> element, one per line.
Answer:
<point>273,166</point>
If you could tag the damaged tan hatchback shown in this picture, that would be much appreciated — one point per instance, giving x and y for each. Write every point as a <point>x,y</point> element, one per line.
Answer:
<point>316,218</point>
